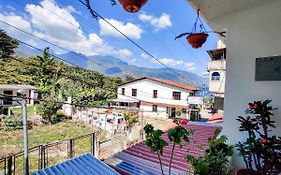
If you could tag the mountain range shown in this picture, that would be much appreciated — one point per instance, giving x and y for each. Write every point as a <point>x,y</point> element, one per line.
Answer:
<point>113,66</point>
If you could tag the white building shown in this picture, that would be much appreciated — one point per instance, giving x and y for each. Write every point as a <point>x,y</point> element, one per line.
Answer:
<point>216,69</point>
<point>155,97</point>
<point>7,91</point>
<point>253,31</point>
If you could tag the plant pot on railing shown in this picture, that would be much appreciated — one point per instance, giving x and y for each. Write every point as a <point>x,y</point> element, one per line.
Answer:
<point>196,40</point>
<point>132,6</point>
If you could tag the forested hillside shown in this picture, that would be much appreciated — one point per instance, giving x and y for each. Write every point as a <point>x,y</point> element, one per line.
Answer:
<point>54,79</point>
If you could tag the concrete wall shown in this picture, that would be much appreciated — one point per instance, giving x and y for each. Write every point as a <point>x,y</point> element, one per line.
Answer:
<point>146,110</point>
<point>251,33</point>
<point>217,86</point>
<point>145,92</point>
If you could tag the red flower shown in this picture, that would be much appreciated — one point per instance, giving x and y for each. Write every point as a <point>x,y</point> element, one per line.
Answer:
<point>252,105</point>
<point>184,121</point>
<point>175,120</point>
<point>263,140</point>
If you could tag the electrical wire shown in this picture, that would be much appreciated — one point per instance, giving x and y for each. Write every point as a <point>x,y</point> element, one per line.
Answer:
<point>136,44</point>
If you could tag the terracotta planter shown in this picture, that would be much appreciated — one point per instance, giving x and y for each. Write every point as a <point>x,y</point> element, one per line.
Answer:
<point>246,172</point>
<point>132,6</point>
<point>196,40</point>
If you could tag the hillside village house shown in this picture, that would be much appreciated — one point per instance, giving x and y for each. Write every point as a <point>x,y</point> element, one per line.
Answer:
<point>253,32</point>
<point>155,97</point>
<point>9,90</point>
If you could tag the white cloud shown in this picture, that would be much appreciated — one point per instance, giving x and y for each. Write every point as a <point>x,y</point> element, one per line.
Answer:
<point>16,21</point>
<point>124,53</point>
<point>133,60</point>
<point>144,55</point>
<point>162,22</point>
<point>190,66</point>
<point>169,61</point>
<point>51,24</point>
<point>10,8</point>
<point>129,29</point>
<point>176,63</point>
<point>59,27</point>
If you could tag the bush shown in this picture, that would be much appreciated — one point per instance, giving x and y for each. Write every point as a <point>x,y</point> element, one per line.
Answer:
<point>15,123</point>
<point>59,117</point>
<point>130,119</point>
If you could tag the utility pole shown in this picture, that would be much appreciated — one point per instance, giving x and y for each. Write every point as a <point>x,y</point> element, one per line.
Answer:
<point>25,130</point>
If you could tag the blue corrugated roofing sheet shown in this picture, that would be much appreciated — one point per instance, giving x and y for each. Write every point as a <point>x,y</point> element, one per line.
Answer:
<point>85,164</point>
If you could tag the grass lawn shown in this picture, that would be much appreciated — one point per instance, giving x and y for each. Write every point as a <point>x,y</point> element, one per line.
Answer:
<point>12,141</point>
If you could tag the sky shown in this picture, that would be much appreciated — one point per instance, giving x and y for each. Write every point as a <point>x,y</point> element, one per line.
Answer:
<point>69,24</point>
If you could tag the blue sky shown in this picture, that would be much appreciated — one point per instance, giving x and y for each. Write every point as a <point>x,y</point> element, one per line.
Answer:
<point>69,25</point>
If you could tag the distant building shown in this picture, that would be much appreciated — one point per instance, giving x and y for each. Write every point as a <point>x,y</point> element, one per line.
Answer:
<point>7,91</point>
<point>216,69</point>
<point>155,97</point>
<point>203,92</point>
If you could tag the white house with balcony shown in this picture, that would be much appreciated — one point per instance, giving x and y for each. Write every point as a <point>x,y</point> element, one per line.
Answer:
<point>216,69</point>
<point>155,97</point>
<point>253,35</point>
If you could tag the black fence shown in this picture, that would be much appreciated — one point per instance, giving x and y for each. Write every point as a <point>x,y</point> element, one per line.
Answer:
<point>43,156</point>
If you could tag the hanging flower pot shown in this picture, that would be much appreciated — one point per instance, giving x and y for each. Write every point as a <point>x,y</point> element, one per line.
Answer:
<point>132,6</point>
<point>196,40</point>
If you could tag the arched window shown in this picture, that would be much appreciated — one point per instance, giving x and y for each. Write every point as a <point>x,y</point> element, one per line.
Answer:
<point>215,76</point>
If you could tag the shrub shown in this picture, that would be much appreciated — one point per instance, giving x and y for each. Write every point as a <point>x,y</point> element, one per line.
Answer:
<point>261,150</point>
<point>15,123</point>
<point>215,160</point>
<point>59,117</point>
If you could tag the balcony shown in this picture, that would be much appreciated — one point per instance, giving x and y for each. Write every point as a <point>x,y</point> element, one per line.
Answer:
<point>216,65</point>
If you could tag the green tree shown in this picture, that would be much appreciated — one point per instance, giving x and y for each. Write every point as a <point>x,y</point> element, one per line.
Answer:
<point>7,44</point>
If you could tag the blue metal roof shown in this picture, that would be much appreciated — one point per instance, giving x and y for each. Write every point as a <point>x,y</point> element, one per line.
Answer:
<point>85,164</point>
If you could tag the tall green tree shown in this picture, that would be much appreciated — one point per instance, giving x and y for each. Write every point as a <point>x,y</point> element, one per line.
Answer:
<point>7,45</point>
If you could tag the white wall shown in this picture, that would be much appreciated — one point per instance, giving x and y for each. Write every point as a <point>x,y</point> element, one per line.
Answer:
<point>146,110</point>
<point>145,92</point>
<point>251,33</point>
<point>217,86</point>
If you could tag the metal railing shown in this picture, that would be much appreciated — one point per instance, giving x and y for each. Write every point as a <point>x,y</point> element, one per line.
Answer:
<point>43,156</point>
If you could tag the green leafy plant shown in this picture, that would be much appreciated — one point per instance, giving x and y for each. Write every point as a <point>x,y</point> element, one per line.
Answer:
<point>15,122</point>
<point>216,157</point>
<point>130,118</point>
<point>155,141</point>
<point>261,152</point>
<point>177,136</point>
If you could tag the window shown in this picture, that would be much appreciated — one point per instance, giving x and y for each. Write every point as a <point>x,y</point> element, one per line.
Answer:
<point>134,92</point>
<point>8,99</point>
<point>154,93</point>
<point>176,95</point>
<point>191,94</point>
<point>154,108</point>
<point>123,91</point>
<point>215,76</point>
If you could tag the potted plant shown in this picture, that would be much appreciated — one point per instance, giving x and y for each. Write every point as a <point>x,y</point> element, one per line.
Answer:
<point>261,151</point>
<point>196,38</point>
<point>132,6</point>
<point>216,158</point>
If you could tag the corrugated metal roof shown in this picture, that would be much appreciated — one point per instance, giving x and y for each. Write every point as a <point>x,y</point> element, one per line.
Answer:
<point>85,164</point>
<point>138,159</point>
<point>16,86</point>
